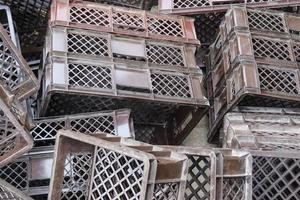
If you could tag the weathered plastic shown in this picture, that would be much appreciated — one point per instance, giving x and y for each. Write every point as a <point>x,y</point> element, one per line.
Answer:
<point>192,7</point>
<point>15,138</point>
<point>216,174</point>
<point>15,73</point>
<point>9,192</point>
<point>146,173</point>
<point>125,21</point>
<point>117,122</point>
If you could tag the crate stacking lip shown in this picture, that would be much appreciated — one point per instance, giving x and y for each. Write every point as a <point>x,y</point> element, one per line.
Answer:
<point>193,7</point>
<point>145,168</point>
<point>125,21</point>
<point>216,173</point>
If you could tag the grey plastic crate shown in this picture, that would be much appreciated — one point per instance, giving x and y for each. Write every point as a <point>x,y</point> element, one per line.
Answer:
<point>117,122</point>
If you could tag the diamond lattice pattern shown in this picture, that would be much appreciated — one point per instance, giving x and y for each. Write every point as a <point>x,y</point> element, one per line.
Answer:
<point>103,124</point>
<point>77,172</point>
<point>266,21</point>
<point>275,178</point>
<point>165,27</point>
<point>170,85</point>
<point>88,44</point>
<point>190,3</point>
<point>90,76</point>
<point>85,15</point>
<point>16,174</point>
<point>276,80</point>
<point>166,191</point>
<point>198,182</point>
<point>11,72</point>
<point>273,49</point>
<point>116,176</point>
<point>165,55</point>
<point>234,188</point>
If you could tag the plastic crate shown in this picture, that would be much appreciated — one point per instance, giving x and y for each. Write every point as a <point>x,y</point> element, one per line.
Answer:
<point>125,21</point>
<point>15,72</point>
<point>216,173</point>
<point>271,135</point>
<point>9,192</point>
<point>117,122</point>
<point>7,23</point>
<point>262,129</point>
<point>31,173</point>
<point>148,179</point>
<point>80,43</point>
<point>139,4</point>
<point>15,138</point>
<point>192,7</point>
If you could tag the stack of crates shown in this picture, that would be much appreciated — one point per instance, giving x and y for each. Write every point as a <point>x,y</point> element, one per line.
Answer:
<point>105,58</point>
<point>253,62</point>
<point>271,135</point>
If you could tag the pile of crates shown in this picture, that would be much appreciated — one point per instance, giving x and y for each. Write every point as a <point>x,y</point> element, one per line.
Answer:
<point>117,86</point>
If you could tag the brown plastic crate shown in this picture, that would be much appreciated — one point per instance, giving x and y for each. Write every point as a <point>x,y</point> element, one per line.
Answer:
<point>92,45</point>
<point>117,122</point>
<point>272,137</point>
<point>262,21</point>
<point>140,4</point>
<point>216,173</point>
<point>257,128</point>
<point>15,73</point>
<point>123,21</point>
<point>133,157</point>
<point>9,192</point>
<point>192,7</point>
<point>15,138</point>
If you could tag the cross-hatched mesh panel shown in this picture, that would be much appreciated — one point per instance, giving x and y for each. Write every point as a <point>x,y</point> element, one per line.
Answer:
<point>266,21</point>
<point>267,48</point>
<point>165,55</point>
<point>116,176</point>
<point>276,80</point>
<point>85,15</point>
<point>144,133</point>
<point>275,178</point>
<point>128,21</point>
<point>170,85</point>
<point>16,174</point>
<point>166,191</point>
<point>127,3</point>
<point>207,26</point>
<point>77,173</point>
<point>166,27</point>
<point>190,3</point>
<point>46,130</point>
<point>296,51</point>
<point>234,188</point>
<point>10,70</point>
<point>198,182</point>
<point>87,44</point>
<point>7,195</point>
<point>90,76</point>
<point>279,146</point>
<point>6,127</point>
<point>7,145</point>
<point>103,124</point>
